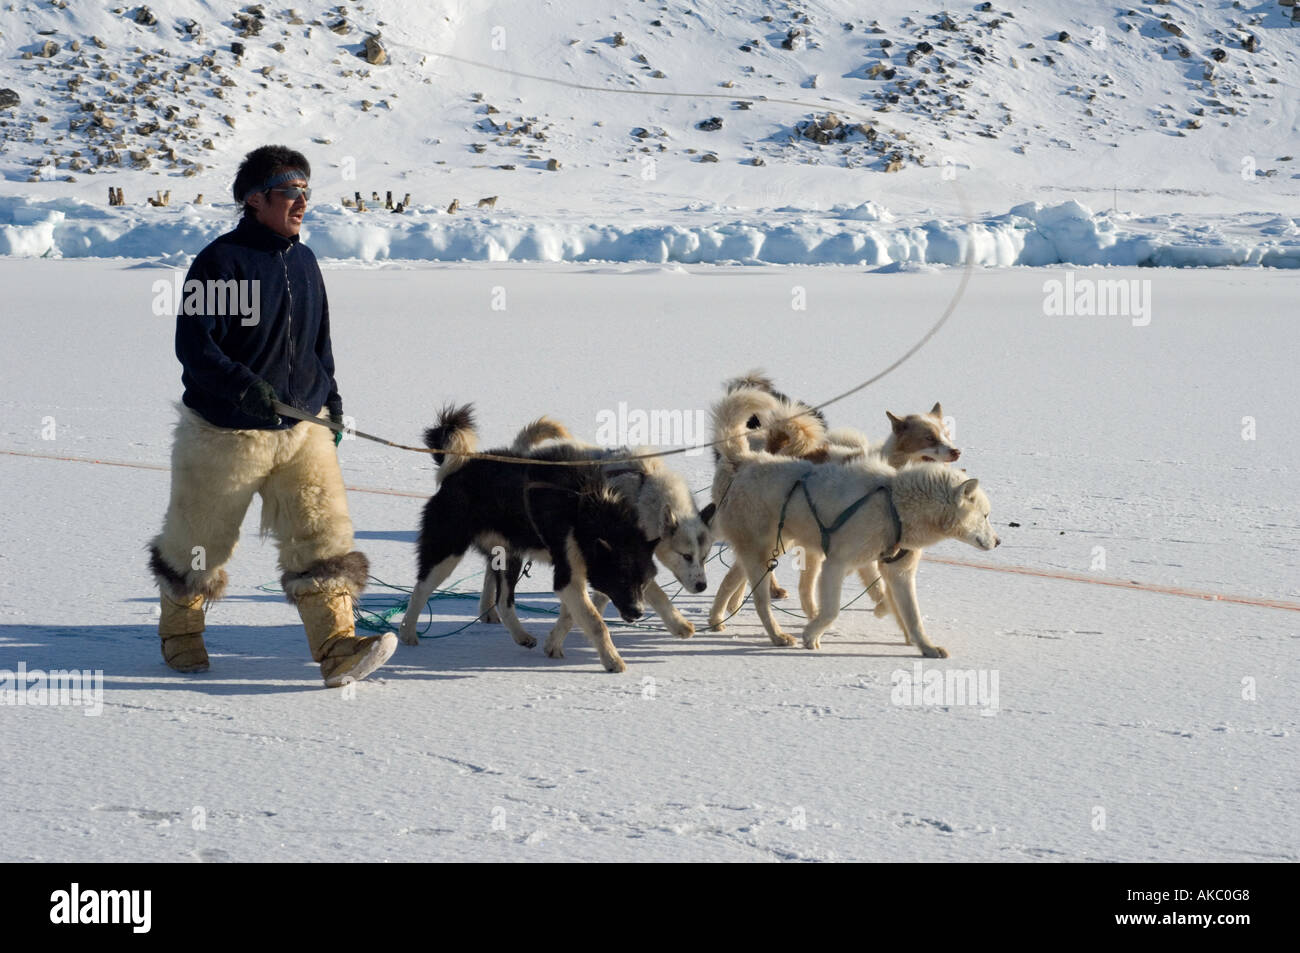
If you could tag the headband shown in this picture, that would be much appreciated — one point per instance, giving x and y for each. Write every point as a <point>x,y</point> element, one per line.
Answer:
<point>288,175</point>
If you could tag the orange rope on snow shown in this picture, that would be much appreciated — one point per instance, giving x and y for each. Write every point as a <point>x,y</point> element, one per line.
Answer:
<point>1119,583</point>
<point>383,492</point>
<point>943,560</point>
<point>106,463</point>
<point>164,469</point>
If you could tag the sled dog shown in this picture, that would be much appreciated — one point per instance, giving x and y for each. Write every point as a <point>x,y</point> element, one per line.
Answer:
<point>913,438</point>
<point>853,515</point>
<point>665,511</point>
<point>568,516</point>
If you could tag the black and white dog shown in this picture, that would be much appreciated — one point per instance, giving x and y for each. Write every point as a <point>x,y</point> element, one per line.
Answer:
<point>568,516</point>
<point>666,513</point>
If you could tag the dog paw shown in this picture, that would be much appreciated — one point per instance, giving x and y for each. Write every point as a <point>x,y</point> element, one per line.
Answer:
<point>554,649</point>
<point>682,629</point>
<point>527,642</point>
<point>492,617</point>
<point>934,651</point>
<point>881,610</point>
<point>780,638</point>
<point>813,643</point>
<point>615,664</point>
<point>779,593</point>
<point>410,636</point>
<point>716,626</point>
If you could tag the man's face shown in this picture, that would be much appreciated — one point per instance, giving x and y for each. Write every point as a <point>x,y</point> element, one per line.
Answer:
<point>279,213</point>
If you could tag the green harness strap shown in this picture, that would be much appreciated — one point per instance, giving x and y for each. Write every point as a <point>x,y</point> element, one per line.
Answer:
<point>852,508</point>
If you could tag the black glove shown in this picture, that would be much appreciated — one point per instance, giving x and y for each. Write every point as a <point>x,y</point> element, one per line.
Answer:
<point>258,401</point>
<point>336,417</point>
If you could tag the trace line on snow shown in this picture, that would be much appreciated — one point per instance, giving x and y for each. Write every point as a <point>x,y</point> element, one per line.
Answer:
<point>966,564</point>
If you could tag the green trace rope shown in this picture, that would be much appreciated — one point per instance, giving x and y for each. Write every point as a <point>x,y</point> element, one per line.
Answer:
<point>377,617</point>
<point>771,565</point>
<point>374,612</point>
<point>798,615</point>
<point>373,616</point>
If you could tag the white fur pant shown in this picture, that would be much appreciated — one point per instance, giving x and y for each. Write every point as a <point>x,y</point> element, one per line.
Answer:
<point>216,471</point>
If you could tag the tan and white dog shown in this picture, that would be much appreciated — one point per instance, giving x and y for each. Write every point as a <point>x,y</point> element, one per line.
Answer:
<point>791,430</point>
<point>853,515</point>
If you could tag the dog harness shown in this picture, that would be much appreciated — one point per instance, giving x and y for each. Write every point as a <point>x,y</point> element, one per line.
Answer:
<point>625,471</point>
<point>889,555</point>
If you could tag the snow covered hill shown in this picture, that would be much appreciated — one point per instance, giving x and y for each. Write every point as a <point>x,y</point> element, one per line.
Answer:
<point>645,115</point>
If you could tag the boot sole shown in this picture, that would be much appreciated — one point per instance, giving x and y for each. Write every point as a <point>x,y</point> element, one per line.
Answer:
<point>379,653</point>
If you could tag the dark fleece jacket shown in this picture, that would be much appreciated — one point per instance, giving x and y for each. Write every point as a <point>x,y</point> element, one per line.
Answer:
<point>288,345</point>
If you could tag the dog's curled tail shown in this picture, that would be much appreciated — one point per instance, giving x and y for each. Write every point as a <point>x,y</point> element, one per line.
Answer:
<point>755,379</point>
<point>794,431</point>
<point>454,435</point>
<point>731,417</point>
<point>538,431</point>
<point>850,439</point>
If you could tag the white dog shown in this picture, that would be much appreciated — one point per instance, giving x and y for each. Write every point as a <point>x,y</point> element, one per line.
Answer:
<point>912,439</point>
<point>853,515</point>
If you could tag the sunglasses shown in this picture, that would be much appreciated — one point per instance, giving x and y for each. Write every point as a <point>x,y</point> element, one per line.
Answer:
<point>293,193</point>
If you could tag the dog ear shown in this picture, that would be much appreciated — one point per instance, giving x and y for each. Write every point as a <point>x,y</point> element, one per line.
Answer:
<point>936,411</point>
<point>966,490</point>
<point>895,422</point>
<point>668,521</point>
<point>707,513</point>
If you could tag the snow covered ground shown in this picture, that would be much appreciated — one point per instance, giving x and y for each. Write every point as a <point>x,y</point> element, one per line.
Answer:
<point>1127,725</point>
<point>664,175</point>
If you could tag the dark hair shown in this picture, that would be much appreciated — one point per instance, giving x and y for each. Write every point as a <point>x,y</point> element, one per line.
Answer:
<point>262,163</point>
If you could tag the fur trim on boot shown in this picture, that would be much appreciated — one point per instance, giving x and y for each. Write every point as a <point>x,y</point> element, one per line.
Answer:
<point>182,587</point>
<point>347,573</point>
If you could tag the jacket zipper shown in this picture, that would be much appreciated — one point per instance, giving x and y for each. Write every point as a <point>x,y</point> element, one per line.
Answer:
<point>288,287</point>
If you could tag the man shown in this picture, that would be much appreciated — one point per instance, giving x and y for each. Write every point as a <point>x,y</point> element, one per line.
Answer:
<point>230,442</point>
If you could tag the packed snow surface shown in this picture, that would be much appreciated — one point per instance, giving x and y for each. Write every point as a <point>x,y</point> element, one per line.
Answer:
<point>1114,724</point>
